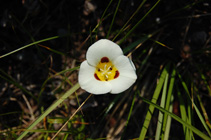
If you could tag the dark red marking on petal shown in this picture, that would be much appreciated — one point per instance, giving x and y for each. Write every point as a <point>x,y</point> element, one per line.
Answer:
<point>104,60</point>
<point>96,77</point>
<point>116,74</point>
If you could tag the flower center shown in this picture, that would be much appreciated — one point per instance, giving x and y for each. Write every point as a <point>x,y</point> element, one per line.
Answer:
<point>105,70</point>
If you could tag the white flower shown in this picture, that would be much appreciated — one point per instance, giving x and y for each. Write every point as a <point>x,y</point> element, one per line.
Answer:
<point>106,69</point>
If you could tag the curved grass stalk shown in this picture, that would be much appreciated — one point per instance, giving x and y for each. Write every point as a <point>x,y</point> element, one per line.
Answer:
<point>51,108</point>
<point>26,46</point>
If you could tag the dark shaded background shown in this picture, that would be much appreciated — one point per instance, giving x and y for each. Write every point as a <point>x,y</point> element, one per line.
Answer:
<point>184,26</point>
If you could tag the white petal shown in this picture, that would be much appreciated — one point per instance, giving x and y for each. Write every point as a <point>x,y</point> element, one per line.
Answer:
<point>127,75</point>
<point>121,84</point>
<point>103,48</point>
<point>89,83</point>
<point>125,66</point>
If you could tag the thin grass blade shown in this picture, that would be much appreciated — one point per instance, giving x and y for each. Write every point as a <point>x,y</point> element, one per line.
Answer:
<point>31,44</point>
<point>137,24</point>
<point>162,104</point>
<point>129,115</point>
<point>168,122</point>
<point>168,104</point>
<point>204,112</point>
<point>9,79</point>
<point>183,114</point>
<point>121,30</point>
<point>112,22</point>
<point>195,107</point>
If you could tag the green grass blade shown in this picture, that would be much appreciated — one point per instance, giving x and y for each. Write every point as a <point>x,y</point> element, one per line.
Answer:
<point>190,117</point>
<point>136,43</point>
<point>168,122</point>
<point>47,131</point>
<point>195,107</point>
<point>192,128</point>
<point>112,22</point>
<point>52,50</point>
<point>162,104</point>
<point>200,115</point>
<point>31,44</point>
<point>59,73</point>
<point>9,113</point>
<point>137,24</point>
<point>183,114</point>
<point>205,82</point>
<point>121,30</point>
<point>180,9</point>
<point>51,108</point>
<point>96,29</point>
<point>105,114</point>
<point>129,115</point>
<point>168,104</point>
<point>203,77</point>
<point>204,111</point>
<point>202,119</point>
<point>151,107</point>
<point>9,79</point>
<point>184,84</point>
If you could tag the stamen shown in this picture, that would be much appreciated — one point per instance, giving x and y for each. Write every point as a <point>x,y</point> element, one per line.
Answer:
<point>109,68</point>
<point>105,70</point>
<point>106,76</point>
